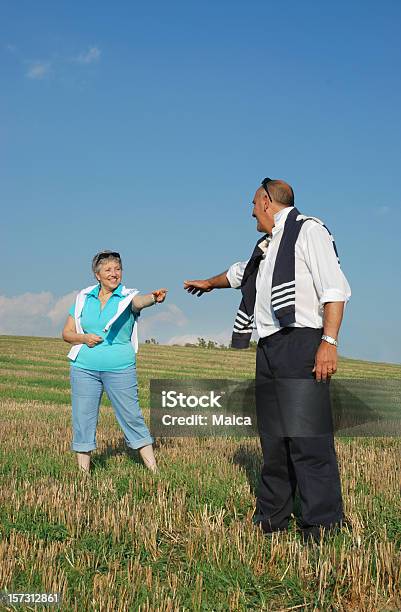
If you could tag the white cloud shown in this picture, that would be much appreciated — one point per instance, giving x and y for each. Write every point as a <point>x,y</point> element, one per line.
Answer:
<point>153,324</point>
<point>34,314</point>
<point>223,337</point>
<point>90,56</point>
<point>31,304</point>
<point>61,307</point>
<point>170,313</point>
<point>186,339</point>
<point>43,314</point>
<point>38,70</point>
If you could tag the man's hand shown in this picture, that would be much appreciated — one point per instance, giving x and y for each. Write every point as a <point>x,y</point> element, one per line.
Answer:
<point>198,287</point>
<point>325,361</point>
<point>92,340</point>
<point>159,295</point>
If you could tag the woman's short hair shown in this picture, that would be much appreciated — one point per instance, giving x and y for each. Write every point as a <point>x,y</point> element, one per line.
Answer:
<point>103,257</point>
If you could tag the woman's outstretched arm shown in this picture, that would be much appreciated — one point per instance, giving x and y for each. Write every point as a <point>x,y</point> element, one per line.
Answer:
<point>143,301</point>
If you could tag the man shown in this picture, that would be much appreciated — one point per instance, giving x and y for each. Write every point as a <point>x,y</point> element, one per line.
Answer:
<point>294,293</point>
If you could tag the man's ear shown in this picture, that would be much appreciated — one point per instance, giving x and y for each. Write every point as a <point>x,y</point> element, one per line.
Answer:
<point>266,203</point>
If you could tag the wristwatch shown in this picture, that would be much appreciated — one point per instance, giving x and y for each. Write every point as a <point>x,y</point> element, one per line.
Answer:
<point>330,340</point>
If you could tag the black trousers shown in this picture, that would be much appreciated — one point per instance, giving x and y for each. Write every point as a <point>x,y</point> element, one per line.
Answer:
<point>305,461</point>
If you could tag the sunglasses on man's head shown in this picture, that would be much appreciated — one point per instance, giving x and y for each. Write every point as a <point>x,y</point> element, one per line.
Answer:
<point>264,185</point>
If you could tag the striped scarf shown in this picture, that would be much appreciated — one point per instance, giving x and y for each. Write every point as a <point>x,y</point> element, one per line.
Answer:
<point>283,293</point>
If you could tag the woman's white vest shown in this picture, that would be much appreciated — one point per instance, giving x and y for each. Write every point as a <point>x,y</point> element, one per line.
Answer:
<point>79,304</point>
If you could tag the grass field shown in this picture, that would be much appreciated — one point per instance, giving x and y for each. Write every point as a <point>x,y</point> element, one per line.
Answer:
<point>123,539</point>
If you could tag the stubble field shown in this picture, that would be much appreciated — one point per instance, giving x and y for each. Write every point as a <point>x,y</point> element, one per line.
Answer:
<point>124,539</point>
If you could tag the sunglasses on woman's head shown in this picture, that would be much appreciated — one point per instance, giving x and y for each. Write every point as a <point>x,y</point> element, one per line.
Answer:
<point>106,255</point>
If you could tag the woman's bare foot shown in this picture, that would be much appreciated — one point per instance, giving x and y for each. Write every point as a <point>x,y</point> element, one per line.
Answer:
<point>148,457</point>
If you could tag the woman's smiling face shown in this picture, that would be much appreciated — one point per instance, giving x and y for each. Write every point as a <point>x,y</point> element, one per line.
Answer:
<point>110,274</point>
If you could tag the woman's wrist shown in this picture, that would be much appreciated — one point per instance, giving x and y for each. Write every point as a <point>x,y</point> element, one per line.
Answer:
<point>143,301</point>
<point>79,339</point>
<point>74,338</point>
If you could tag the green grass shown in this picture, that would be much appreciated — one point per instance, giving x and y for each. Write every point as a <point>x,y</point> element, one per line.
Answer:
<point>182,539</point>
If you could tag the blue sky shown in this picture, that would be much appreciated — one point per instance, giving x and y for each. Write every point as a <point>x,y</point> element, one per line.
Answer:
<point>146,127</point>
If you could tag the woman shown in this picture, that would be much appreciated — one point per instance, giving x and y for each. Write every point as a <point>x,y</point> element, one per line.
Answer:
<point>101,326</point>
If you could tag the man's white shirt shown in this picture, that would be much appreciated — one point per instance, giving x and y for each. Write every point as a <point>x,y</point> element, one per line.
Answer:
<point>318,277</point>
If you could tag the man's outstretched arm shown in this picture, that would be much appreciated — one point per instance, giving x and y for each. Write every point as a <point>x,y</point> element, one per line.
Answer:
<point>229,278</point>
<point>198,287</point>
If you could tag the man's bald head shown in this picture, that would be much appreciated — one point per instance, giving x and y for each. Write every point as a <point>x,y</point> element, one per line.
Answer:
<point>271,197</point>
<point>281,192</point>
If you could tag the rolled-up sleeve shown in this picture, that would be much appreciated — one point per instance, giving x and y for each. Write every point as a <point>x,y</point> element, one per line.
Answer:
<point>321,259</point>
<point>235,274</point>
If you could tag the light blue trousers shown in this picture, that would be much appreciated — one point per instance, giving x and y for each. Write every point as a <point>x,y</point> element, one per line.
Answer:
<point>122,389</point>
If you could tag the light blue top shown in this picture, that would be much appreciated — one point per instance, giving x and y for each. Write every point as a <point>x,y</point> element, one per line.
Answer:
<point>116,351</point>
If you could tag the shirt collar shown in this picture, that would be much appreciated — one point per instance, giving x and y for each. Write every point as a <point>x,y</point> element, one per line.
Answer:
<point>95,291</point>
<point>117,291</point>
<point>281,217</point>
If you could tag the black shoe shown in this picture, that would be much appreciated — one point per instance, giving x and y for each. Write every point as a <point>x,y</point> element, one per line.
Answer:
<point>268,530</point>
<point>317,533</point>
<point>312,535</point>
